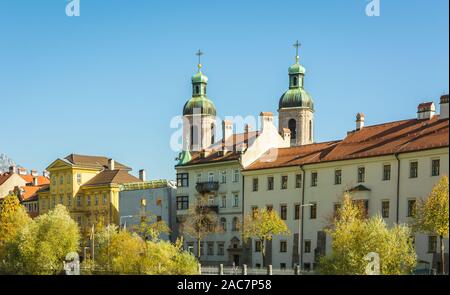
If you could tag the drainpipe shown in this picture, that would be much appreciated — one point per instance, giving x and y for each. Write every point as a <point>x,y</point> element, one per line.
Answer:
<point>301,217</point>
<point>242,222</point>
<point>398,186</point>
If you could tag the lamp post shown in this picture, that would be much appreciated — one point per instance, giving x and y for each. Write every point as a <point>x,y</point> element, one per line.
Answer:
<point>300,247</point>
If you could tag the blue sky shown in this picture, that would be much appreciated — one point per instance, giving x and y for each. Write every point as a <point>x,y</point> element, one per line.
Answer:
<point>109,82</point>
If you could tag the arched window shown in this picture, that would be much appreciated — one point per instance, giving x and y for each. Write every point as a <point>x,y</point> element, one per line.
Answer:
<point>194,136</point>
<point>310,130</point>
<point>213,131</point>
<point>223,224</point>
<point>236,224</point>
<point>292,125</point>
<point>197,89</point>
<point>294,81</point>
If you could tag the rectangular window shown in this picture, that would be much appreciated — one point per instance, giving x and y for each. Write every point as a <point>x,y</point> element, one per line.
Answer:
<point>283,246</point>
<point>337,176</point>
<point>211,176</point>
<point>182,179</point>
<point>78,178</point>
<point>79,220</point>
<point>313,211</point>
<point>236,175</point>
<point>182,203</point>
<point>223,178</point>
<point>361,174</point>
<point>69,200</point>
<point>284,182</point>
<point>313,178</point>
<point>54,201</point>
<point>254,211</point>
<point>210,250</point>
<point>53,180</point>
<point>270,183</point>
<point>61,179</point>
<point>297,211</point>
<point>190,247</point>
<point>198,177</point>
<point>220,248</point>
<point>235,200</point>
<point>61,199</point>
<point>96,200</point>
<point>307,246</point>
<point>69,178</point>
<point>269,207</point>
<point>78,201</point>
<point>385,208</point>
<point>336,208</point>
<point>283,212</point>
<point>105,199</point>
<point>413,169</point>
<point>411,208</point>
<point>223,201</point>
<point>257,246</point>
<point>298,181</point>
<point>435,166</point>
<point>432,244</point>
<point>386,172</point>
<point>255,184</point>
<point>89,200</point>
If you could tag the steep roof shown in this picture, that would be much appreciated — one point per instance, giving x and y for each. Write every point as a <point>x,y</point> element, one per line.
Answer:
<point>377,140</point>
<point>93,161</point>
<point>215,154</point>
<point>112,177</point>
<point>4,177</point>
<point>41,179</point>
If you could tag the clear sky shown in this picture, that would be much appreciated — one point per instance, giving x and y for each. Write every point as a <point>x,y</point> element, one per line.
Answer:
<point>109,82</point>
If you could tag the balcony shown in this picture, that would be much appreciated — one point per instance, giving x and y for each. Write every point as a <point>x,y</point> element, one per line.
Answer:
<point>207,187</point>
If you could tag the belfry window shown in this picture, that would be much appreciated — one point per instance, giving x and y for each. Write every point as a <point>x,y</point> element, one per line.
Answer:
<point>292,125</point>
<point>212,133</point>
<point>197,89</point>
<point>310,130</point>
<point>194,136</point>
<point>294,81</point>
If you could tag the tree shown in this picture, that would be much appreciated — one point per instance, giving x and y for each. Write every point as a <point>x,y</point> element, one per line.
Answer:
<point>262,225</point>
<point>432,215</point>
<point>354,236</point>
<point>200,222</point>
<point>150,228</point>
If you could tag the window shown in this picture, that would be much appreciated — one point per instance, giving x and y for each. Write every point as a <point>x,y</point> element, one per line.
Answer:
<point>202,248</point>
<point>69,178</point>
<point>223,201</point>
<point>307,266</point>
<point>283,246</point>
<point>61,199</point>
<point>361,174</point>
<point>337,176</point>
<point>78,178</point>
<point>235,224</point>
<point>79,220</point>
<point>223,224</point>
<point>235,200</point>
<point>213,133</point>
<point>257,246</point>
<point>254,211</point>
<point>336,208</point>
<point>294,81</point>
<point>432,244</point>
<point>385,208</point>
<point>362,205</point>
<point>283,266</point>
<point>313,211</point>
<point>198,177</point>
<point>283,212</point>
<point>435,164</point>
<point>310,130</point>
<point>220,248</point>
<point>54,201</point>
<point>411,208</point>
<point>236,175</point>
<point>269,207</point>
<point>255,184</point>
<point>313,178</point>
<point>197,89</point>
<point>223,178</point>
<point>297,211</point>
<point>307,246</point>
<point>190,247</point>
<point>182,179</point>
<point>89,200</point>
<point>53,180</point>
<point>386,172</point>
<point>182,203</point>
<point>210,250</point>
<point>292,125</point>
<point>270,183</point>
<point>96,200</point>
<point>69,200</point>
<point>298,181</point>
<point>413,169</point>
<point>105,199</point>
<point>158,218</point>
<point>284,182</point>
<point>61,179</point>
<point>211,176</point>
<point>78,201</point>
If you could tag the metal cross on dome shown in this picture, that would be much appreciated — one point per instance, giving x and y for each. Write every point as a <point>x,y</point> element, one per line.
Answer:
<point>297,45</point>
<point>199,54</point>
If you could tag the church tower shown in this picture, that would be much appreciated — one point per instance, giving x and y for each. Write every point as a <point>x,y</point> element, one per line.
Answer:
<point>296,107</point>
<point>199,115</point>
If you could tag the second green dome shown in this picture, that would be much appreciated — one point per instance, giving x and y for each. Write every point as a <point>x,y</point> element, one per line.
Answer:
<point>296,97</point>
<point>199,103</point>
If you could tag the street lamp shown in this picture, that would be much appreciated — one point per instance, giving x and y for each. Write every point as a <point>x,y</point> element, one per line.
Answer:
<point>299,246</point>
<point>125,216</point>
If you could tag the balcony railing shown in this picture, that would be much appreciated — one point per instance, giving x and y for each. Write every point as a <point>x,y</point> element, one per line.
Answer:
<point>207,186</point>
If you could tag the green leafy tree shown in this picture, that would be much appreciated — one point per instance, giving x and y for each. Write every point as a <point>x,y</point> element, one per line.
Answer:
<point>262,225</point>
<point>354,236</point>
<point>432,215</point>
<point>150,228</point>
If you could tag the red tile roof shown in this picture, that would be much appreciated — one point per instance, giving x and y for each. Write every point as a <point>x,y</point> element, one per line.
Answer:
<point>41,179</point>
<point>112,177</point>
<point>377,140</point>
<point>4,177</point>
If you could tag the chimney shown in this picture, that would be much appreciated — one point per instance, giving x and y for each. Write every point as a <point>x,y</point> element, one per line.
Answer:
<point>227,133</point>
<point>22,171</point>
<point>46,174</point>
<point>359,121</point>
<point>12,169</point>
<point>426,110</point>
<point>287,135</point>
<point>444,107</point>
<point>266,119</point>
<point>35,181</point>
<point>142,175</point>
<point>111,164</point>
<point>34,173</point>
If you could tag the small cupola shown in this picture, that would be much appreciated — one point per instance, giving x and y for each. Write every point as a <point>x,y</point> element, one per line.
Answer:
<point>359,121</point>
<point>426,110</point>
